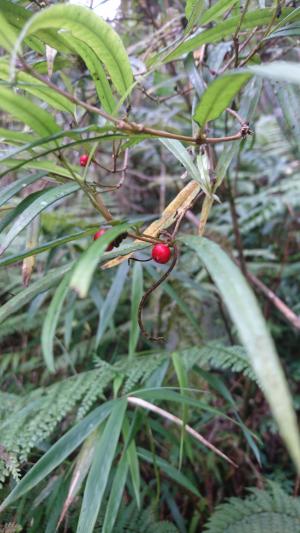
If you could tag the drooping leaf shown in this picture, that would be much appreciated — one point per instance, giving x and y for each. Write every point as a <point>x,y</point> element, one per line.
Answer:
<point>87,264</point>
<point>59,452</point>
<point>13,188</point>
<point>254,334</point>
<point>93,31</point>
<point>100,468</point>
<point>51,320</point>
<point>27,112</point>
<point>48,197</point>
<point>218,96</point>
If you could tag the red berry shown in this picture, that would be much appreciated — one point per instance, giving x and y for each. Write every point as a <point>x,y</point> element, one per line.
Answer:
<point>161,253</point>
<point>83,160</point>
<point>99,234</point>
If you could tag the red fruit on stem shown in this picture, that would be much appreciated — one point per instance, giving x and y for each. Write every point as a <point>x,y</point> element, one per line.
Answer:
<point>83,160</point>
<point>99,234</point>
<point>161,253</point>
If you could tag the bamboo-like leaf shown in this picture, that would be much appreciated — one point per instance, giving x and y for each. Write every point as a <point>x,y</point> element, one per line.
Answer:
<point>51,320</point>
<point>193,12</point>
<point>111,301</point>
<point>48,197</point>
<point>278,70</point>
<point>19,209</point>
<point>8,35</point>
<point>27,112</point>
<point>259,17</point>
<point>13,188</point>
<point>216,10</point>
<point>115,496</point>
<point>254,334</point>
<point>170,470</point>
<point>91,30</point>
<point>59,452</point>
<point>26,295</point>
<point>218,96</point>
<point>29,84</point>
<point>136,295</point>
<point>87,264</point>
<point>100,468</point>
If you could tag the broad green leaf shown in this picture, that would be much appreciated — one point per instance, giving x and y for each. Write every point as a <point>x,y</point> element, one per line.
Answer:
<point>115,496</point>
<point>51,320</point>
<point>216,10</point>
<point>170,470</point>
<point>48,197</point>
<point>254,334</point>
<point>278,70</point>
<point>100,468</point>
<point>92,31</point>
<point>30,114</point>
<point>182,155</point>
<point>59,452</point>
<point>218,96</point>
<point>26,295</point>
<point>259,17</point>
<point>29,84</point>
<point>88,262</point>
<point>136,295</point>
<point>111,301</point>
<point>97,72</point>
<point>13,188</point>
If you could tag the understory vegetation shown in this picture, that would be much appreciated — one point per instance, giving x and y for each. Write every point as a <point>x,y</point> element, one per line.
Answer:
<point>150,267</point>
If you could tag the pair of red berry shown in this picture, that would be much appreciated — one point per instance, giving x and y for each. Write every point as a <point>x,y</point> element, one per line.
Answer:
<point>83,160</point>
<point>161,253</point>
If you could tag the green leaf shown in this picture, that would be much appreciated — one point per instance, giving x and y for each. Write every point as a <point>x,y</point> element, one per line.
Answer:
<point>19,209</point>
<point>16,186</point>
<point>59,452</point>
<point>132,459</point>
<point>24,110</point>
<point>278,70</point>
<point>88,262</point>
<point>23,297</point>
<point>254,334</point>
<point>48,197</point>
<point>136,295</point>
<point>115,496</point>
<point>51,320</point>
<point>29,84</point>
<point>259,17</point>
<point>216,10</point>
<point>14,136</point>
<point>182,155</point>
<point>218,96</point>
<point>166,467</point>
<point>8,35</point>
<point>291,30</point>
<point>87,27</point>
<point>111,301</point>
<point>98,74</point>
<point>193,11</point>
<point>100,468</point>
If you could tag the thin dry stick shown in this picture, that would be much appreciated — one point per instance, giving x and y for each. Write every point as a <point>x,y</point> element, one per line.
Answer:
<point>165,414</point>
<point>149,291</point>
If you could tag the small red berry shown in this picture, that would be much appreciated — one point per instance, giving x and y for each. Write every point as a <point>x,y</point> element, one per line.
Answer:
<point>99,234</point>
<point>161,253</point>
<point>83,160</point>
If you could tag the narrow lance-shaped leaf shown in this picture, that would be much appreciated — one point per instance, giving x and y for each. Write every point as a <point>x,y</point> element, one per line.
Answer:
<point>218,96</point>
<point>115,496</point>
<point>136,295</point>
<point>286,71</point>
<point>91,30</point>
<point>254,334</point>
<point>216,10</point>
<point>51,320</point>
<point>100,468</point>
<point>13,188</point>
<point>27,112</point>
<point>88,262</point>
<point>42,202</point>
<point>59,452</point>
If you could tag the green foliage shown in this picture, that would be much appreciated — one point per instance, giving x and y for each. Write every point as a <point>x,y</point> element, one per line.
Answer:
<point>264,510</point>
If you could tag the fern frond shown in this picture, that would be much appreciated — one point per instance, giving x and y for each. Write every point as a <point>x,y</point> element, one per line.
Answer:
<point>264,511</point>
